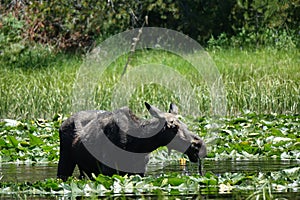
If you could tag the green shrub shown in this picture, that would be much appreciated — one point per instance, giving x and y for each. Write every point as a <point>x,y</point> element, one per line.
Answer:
<point>17,50</point>
<point>11,42</point>
<point>269,38</point>
<point>77,24</point>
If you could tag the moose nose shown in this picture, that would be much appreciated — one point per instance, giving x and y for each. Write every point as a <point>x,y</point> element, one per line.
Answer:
<point>199,146</point>
<point>196,144</point>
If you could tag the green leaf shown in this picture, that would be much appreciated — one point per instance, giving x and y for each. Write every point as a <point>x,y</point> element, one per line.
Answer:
<point>13,141</point>
<point>2,143</point>
<point>237,179</point>
<point>175,181</point>
<point>75,189</point>
<point>34,140</point>
<point>106,181</point>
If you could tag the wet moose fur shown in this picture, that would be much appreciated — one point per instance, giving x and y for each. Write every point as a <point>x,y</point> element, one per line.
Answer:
<point>104,142</point>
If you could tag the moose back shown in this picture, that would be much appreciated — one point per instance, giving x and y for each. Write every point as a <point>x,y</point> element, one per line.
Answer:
<point>118,142</point>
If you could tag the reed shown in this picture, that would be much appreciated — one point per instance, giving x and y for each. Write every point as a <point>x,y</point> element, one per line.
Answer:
<point>262,81</point>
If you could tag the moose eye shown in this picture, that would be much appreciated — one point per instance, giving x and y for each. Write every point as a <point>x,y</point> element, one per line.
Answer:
<point>172,124</point>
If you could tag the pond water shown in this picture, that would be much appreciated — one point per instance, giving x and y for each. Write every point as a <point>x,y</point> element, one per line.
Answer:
<point>21,173</point>
<point>31,173</point>
<point>222,166</point>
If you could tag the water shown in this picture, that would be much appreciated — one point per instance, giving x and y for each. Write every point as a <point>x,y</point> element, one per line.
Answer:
<point>21,173</point>
<point>31,173</point>
<point>222,166</point>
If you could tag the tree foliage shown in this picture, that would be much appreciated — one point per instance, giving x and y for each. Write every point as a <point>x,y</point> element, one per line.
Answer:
<point>75,24</point>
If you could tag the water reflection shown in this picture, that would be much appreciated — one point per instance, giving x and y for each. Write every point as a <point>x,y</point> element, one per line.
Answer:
<point>31,173</point>
<point>21,173</point>
<point>222,166</point>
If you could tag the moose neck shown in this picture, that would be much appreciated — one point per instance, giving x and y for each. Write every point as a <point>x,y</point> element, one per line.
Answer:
<point>153,134</point>
<point>136,135</point>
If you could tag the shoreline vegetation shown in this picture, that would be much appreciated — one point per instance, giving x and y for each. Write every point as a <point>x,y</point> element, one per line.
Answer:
<point>247,137</point>
<point>260,81</point>
<point>262,122</point>
<point>255,47</point>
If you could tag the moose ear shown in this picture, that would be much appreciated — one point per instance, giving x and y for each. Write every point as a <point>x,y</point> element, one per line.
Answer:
<point>155,112</point>
<point>173,109</point>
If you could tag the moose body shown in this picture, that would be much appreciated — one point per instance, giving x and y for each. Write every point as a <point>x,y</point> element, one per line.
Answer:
<point>118,142</point>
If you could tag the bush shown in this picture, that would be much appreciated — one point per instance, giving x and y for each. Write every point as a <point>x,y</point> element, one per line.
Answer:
<point>11,42</point>
<point>71,25</point>
<point>269,38</point>
<point>16,50</point>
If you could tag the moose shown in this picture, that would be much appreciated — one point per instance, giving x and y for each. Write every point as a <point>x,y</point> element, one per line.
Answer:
<point>118,142</point>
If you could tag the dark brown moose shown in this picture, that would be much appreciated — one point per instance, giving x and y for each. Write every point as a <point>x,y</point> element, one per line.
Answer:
<point>118,142</point>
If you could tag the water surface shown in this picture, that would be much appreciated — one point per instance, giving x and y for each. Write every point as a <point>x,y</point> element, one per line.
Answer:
<point>30,173</point>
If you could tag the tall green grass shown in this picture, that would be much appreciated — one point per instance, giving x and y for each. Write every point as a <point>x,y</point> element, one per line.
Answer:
<point>262,81</point>
<point>37,92</point>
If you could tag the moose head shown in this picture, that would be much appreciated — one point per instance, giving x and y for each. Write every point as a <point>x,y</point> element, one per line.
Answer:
<point>119,142</point>
<point>183,141</point>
